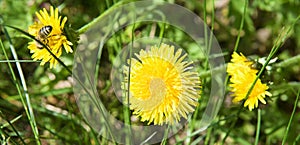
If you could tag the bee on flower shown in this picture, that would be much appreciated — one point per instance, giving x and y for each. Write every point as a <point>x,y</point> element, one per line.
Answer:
<point>43,35</point>
<point>48,30</point>
<point>163,85</point>
<point>242,76</point>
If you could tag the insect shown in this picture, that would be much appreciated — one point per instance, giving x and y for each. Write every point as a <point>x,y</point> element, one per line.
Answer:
<point>43,34</point>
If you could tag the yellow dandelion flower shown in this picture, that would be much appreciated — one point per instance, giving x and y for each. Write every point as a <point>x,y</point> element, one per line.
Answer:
<point>242,76</point>
<point>49,31</point>
<point>163,85</point>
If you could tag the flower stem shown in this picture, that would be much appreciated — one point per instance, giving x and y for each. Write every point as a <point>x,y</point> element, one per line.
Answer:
<point>291,118</point>
<point>258,126</point>
<point>241,26</point>
<point>86,27</point>
<point>232,124</point>
<point>227,77</point>
<point>164,141</point>
<point>278,42</point>
<point>126,108</point>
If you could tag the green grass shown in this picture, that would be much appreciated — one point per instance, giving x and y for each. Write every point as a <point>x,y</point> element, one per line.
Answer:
<point>38,105</point>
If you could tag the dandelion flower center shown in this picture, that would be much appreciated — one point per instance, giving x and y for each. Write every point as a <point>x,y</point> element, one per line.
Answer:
<point>163,85</point>
<point>158,89</point>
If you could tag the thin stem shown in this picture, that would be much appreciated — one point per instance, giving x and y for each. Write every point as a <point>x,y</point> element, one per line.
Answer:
<point>208,134</point>
<point>212,25</point>
<point>241,26</point>
<point>7,140</point>
<point>227,77</point>
<point>12,126</point>
<point>212,125</point>
<point>208,44</point>
<point>279,41</point>
<point>107,3</point>
<point>164,141</point>
<point>291,119</point>
<point>27,105</point>
<point>296,140</point>
<point>232,125</point>
<point>126,109</point>
<point>205,25</point>
<point>86,27</point>
<point>17,61</point>
<point>99,54</point>
<point>98,104</point>
<point>208,41</point>
<point>258,126</point>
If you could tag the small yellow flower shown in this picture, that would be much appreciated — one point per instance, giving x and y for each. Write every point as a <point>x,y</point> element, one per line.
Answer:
<point>163,85</point>
<point>53,37</point>
<point>242,76</point>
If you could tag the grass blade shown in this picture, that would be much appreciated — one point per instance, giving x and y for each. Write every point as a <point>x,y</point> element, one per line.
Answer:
<point>27,104</point>
<point>291,119</point>
<point>258,126</point>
